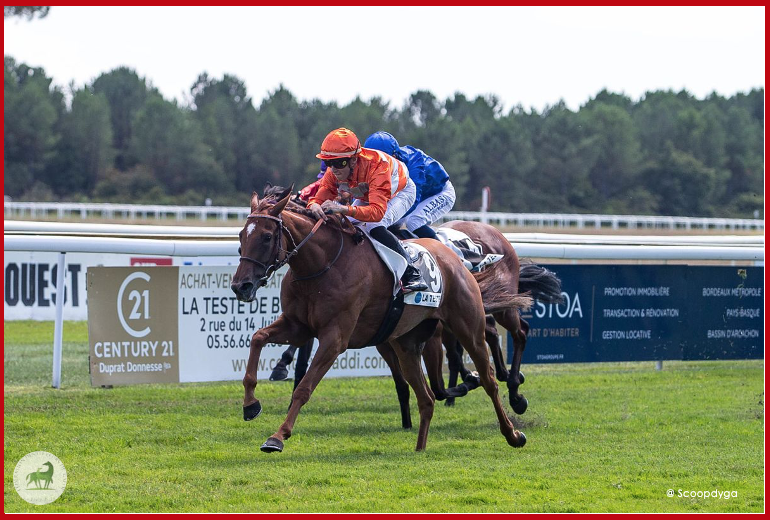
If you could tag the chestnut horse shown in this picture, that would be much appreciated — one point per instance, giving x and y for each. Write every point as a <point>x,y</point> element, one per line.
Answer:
<point>340,294</point>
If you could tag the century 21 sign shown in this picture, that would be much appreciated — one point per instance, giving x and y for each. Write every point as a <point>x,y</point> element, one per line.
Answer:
<point>132,325</point>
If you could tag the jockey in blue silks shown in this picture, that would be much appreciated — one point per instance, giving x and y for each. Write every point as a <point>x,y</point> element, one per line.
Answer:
<point>435,194</point>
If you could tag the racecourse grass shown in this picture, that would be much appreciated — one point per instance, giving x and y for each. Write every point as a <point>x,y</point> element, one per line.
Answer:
<point>609,437</point>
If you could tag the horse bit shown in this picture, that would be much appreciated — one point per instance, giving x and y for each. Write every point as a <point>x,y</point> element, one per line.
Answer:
<point>277,264</point>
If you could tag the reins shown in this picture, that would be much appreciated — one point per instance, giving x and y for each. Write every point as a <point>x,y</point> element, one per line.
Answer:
<point>278,263</point>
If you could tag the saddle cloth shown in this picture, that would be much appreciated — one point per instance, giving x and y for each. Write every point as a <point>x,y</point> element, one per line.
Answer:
<point>422,260</point>
<point>468,250</point>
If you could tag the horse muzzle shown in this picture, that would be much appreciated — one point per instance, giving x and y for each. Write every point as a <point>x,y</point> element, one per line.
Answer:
<point>245,291</point>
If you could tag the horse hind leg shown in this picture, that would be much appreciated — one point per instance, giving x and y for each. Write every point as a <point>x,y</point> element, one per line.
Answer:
<point>470,332</point>
<point>518,328</point>
<point>493,340</point>
<point>409,360</point>
<point>454,354</point>
<point>402,387</point>
<point>433,357</point>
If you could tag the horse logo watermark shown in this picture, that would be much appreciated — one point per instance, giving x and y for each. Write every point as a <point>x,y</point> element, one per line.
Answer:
<point>40,477</point>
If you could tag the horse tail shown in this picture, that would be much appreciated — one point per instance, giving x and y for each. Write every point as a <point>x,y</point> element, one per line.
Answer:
<point>541,283</point>
<point>496,291</point>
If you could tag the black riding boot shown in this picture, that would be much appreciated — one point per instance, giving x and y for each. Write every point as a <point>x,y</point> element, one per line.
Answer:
<point>425,232</point>
<point>412,279</point>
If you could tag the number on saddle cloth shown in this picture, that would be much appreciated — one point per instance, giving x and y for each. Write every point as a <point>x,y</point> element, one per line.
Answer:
<point>424,261</point>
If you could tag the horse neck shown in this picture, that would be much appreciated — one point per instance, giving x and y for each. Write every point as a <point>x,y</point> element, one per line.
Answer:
<point>317,252</point>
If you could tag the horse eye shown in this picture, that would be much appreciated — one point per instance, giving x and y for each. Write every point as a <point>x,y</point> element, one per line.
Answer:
<point>267,237</point>
<point>239,250</point>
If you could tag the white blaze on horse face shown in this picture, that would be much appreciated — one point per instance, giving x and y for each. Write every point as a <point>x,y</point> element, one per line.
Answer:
<point>250,228</point>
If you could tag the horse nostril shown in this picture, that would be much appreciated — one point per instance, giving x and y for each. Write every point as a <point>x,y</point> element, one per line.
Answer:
<point>246,288</point>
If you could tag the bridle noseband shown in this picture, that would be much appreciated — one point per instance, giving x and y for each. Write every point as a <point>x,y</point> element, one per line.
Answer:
<point>278,263</point>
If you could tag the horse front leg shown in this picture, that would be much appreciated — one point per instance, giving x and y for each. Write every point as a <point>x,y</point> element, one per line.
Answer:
<point>331,343</point>
<point>281,331</point>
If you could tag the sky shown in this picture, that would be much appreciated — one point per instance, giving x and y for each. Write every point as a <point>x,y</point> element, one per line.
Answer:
<point>528,56</point>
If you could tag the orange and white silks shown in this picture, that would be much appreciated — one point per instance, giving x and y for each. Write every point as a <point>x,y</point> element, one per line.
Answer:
<point>385,176</point>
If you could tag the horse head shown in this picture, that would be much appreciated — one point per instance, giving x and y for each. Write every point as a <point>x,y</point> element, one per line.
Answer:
<point>261,250</point>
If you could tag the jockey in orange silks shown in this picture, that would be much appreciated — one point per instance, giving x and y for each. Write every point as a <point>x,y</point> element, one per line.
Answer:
<point>380,187</point>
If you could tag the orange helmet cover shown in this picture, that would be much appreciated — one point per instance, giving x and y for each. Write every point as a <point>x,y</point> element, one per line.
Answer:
<point>339,143</point>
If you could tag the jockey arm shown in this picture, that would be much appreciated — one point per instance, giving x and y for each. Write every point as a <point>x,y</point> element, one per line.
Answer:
<point>379,181</point>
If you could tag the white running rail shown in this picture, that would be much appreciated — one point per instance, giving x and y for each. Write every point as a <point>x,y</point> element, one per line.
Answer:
<point>84,211</point>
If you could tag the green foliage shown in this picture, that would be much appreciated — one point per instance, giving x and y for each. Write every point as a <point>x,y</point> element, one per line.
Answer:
<point>30,115</point>
<point>85,150</point>
<point>668,153</point>
<point>602,437</point>
<point>126,93</point>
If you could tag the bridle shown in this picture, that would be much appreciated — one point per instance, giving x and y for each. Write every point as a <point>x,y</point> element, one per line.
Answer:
<point>288,254</point>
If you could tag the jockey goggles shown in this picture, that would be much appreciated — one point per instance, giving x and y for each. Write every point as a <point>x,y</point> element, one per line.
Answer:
<point>338,164</point>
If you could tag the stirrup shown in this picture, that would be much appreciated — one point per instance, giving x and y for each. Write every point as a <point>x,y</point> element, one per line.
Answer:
<point>414,285</point>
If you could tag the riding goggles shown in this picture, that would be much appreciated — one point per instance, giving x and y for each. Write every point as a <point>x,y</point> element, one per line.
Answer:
<point>337,164</point>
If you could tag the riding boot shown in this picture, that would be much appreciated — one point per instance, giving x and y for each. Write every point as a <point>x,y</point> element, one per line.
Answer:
<point>412,279</point>
<point>425,232</point>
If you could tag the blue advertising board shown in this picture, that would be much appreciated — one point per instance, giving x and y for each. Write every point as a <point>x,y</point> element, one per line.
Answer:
<point>648,312</point>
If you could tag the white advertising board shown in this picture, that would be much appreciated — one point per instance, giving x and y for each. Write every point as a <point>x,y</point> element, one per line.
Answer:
<point>30,280</point>
<point>207,329</point>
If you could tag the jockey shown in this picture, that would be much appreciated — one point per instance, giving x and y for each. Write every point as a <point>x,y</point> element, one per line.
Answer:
<point>381,189</point>
<point>435,194</point>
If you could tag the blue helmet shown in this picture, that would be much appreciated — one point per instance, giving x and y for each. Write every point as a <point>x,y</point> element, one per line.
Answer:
<point>383,142</point>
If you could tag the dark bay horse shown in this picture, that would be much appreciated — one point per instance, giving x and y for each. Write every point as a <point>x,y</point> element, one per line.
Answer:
<point>526,278</point>
<point>529,278</point>
<point>340,294</point>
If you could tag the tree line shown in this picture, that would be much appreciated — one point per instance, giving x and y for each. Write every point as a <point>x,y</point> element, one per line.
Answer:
<point>118,139</point>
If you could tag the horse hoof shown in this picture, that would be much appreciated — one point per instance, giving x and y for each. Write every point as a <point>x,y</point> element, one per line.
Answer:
<point>279,374</point>
<point>472,381</point>
<point>522,440</point>
<point>457,391</point>
<point>272,444</point>
<point>521,378</point>
<point>450,401</point>
<point>519,404</point>
<point>252,411</point>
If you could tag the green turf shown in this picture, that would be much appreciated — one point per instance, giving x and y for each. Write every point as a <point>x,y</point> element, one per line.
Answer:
<point>608,437</point>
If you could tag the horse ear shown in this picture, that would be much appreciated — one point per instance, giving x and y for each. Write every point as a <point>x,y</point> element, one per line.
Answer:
<point>254,201</point>
<point>287,191</point>
<point>268,185</point>
<point>281,204</point>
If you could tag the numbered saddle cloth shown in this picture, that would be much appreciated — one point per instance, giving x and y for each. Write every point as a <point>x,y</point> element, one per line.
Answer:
<point>468,250</point>
<point>423,261</point>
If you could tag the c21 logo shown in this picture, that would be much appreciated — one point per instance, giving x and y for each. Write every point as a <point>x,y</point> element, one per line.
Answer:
<point>141,304</point>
